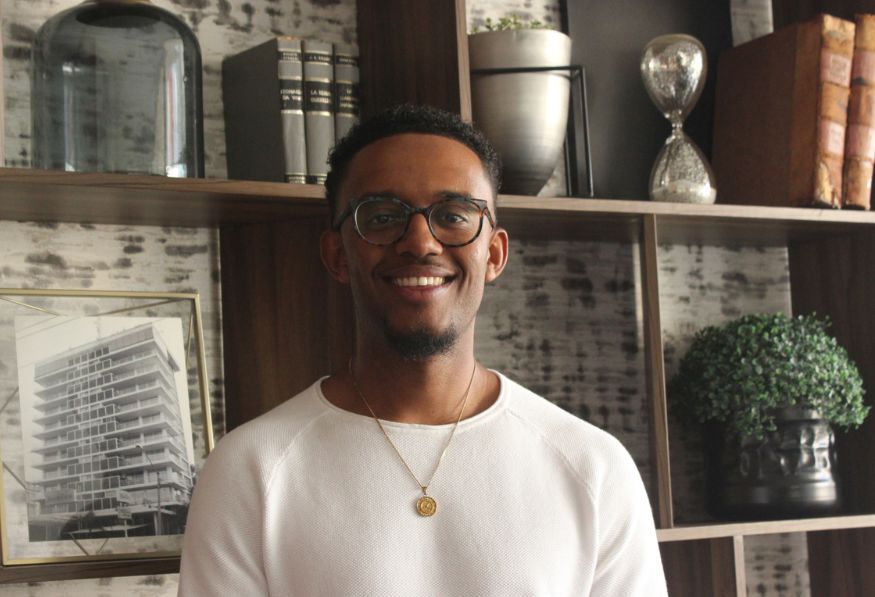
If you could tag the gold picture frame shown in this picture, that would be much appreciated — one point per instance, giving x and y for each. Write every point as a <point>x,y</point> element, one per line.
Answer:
<point>103,400</point>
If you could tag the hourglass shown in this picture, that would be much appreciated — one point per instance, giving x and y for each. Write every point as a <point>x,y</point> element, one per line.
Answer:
<point>673,69</point>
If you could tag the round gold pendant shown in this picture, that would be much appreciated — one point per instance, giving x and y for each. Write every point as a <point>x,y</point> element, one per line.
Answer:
<point>426,506</point>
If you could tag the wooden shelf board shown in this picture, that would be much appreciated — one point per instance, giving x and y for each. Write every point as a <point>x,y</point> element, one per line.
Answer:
<point>38,573</point>
<point>713,531</point>
<point>156,200</point>
<point>152,200</point>
<point>683,223</point>
<point>686,210</point>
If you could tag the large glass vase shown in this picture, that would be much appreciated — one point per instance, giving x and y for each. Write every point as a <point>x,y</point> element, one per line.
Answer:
<point>117,88</point>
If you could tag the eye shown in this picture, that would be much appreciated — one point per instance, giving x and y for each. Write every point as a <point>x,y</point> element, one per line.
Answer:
<point>453,218</point>
<point>382,219</point>
<point>379,214</point>
<point>455,214</point>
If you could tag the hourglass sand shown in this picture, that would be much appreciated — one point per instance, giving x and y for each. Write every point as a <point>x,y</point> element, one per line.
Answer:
<point>673,70</point>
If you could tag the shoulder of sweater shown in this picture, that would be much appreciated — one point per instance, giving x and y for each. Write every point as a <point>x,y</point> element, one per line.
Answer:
<point>259,444</point>
<point>596,457</point>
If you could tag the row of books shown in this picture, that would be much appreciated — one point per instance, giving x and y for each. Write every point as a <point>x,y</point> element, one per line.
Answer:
<point>795,116</point>
<point>286,102</point>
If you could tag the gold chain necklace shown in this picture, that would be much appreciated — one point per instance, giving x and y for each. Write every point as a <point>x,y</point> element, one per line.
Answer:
<point>425,505</point>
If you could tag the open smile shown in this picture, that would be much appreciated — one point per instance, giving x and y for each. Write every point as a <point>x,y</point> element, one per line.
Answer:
<point>420,281</point>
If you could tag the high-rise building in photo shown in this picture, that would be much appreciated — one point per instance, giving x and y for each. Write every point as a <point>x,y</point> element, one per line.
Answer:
<point>110,452</point>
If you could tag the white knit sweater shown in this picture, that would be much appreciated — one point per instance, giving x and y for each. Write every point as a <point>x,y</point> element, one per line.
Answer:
<point>309,500</point>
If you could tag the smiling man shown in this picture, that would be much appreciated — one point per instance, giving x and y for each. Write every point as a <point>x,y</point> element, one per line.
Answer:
<point>417,471</point>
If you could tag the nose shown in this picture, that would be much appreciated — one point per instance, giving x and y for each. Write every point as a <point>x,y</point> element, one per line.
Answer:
<point>418,239</point>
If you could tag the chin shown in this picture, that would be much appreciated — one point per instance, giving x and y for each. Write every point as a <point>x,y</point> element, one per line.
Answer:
<point>421,344</point>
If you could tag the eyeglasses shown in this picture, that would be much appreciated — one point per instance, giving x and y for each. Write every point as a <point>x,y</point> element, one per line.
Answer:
<point>454,221</point>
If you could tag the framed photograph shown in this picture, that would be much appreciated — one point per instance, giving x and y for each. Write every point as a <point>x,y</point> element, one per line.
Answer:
<point>97,436</point>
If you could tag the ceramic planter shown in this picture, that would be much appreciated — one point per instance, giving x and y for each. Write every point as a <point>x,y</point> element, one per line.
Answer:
<point>788,474</point>
<point>524,114</point>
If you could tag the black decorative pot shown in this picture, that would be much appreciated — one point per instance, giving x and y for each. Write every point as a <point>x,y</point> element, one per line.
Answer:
<point>788,474</point>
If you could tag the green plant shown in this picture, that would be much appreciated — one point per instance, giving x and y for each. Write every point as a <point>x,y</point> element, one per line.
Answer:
<point>741,372</point>
<point>511,23</point>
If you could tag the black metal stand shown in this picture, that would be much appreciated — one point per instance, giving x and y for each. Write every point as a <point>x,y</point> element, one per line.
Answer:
<point>578,159</point>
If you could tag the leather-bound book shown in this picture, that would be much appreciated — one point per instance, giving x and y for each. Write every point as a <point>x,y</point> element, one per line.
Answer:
<point>860,141</point>
<point>346,89</point>
<point>781,115</point>
<point>318,107</point>
<point>262,90</point>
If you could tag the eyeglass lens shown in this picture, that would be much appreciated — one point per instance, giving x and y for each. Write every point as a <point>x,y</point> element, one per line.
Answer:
<point>452,221</point>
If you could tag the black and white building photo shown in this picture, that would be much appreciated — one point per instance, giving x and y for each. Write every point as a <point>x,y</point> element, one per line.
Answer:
<point>108,440</point>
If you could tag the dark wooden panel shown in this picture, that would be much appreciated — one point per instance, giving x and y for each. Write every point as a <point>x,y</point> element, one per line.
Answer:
<point>626,129</point>
<point>283,318</point>
<point>248,321</point>
<point>707,567</point>
<point>842,562</point>
<point>313,315</point>
<point>412,51</point>
<point>836,277</point>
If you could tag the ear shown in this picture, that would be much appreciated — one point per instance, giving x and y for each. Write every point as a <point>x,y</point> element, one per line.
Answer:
<point>334,255</point>
<point>497,257</point>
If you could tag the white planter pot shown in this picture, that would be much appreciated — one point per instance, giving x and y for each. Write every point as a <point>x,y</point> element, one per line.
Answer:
<point>524,114</point>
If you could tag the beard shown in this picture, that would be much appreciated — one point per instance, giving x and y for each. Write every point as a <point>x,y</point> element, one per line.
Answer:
<point>421,344</point>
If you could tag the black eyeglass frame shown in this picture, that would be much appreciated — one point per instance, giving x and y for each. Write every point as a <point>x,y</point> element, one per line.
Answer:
<point>410,211</point>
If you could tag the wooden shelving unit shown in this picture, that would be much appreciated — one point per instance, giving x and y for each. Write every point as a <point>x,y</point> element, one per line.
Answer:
<point>276,296</point>
<point>278,303</point>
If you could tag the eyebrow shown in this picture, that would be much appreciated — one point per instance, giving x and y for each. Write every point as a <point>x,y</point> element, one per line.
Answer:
<point>445,194</point>
<point>454,195</point>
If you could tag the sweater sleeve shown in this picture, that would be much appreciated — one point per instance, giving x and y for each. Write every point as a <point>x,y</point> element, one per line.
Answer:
<point>222,545</point>
<point>629,562</point>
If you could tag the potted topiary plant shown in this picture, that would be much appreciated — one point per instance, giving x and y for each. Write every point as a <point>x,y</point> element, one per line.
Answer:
<point>767,388</point>
<point>524,114</point>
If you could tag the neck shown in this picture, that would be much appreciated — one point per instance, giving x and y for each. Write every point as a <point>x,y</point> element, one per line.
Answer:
<point>428,392</point>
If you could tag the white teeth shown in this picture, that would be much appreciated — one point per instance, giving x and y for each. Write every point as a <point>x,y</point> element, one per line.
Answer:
<point>420,281</point>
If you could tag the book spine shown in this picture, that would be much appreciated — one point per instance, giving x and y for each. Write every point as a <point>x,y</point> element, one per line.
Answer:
<point>253,123</point>
<point>291,86</point>
<point>860,142</point>
<point>836,54</point>
<point>318,107</point>
<point>346,93</point>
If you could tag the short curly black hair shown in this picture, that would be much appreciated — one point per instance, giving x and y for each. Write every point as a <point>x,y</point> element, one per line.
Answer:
<point>408,118</point>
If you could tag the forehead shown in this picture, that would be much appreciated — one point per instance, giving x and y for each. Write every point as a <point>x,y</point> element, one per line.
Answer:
<point>416,167</point>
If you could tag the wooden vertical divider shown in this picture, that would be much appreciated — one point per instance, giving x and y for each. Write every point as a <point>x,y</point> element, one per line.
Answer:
<point>656,371</point>
<point>728,579</point>
<point>464,61</point>
<point>2,100</point>
<point>413,51</point>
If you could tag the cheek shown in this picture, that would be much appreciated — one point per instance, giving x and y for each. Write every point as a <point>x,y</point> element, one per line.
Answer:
<point>478,260</point>
<point>478,254</point>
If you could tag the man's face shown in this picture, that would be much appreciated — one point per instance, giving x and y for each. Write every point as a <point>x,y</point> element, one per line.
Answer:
<point>418,294</point>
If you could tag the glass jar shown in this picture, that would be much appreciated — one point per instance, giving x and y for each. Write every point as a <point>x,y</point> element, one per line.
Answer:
<point>117,88</point>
